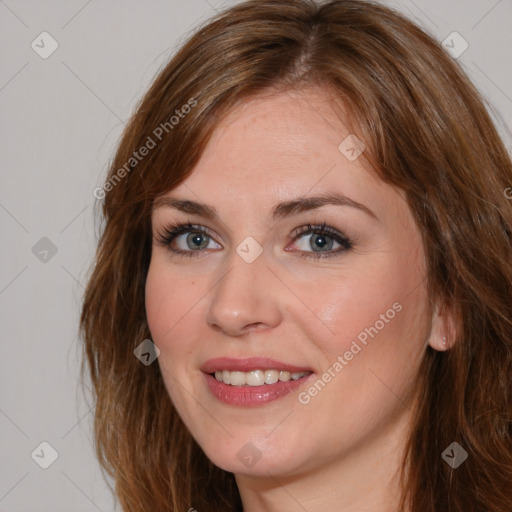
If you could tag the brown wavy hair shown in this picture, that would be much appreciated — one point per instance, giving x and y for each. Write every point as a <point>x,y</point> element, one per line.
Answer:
<point>426,131</point>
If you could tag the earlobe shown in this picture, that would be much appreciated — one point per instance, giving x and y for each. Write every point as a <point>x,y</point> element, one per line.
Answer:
<point>444,329</point>
<point>440,345</point>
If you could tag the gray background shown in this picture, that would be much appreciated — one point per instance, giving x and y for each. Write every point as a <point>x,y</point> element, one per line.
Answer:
<point>61,118</point>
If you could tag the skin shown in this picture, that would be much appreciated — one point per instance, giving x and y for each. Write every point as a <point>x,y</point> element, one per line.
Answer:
<point>342,449</point>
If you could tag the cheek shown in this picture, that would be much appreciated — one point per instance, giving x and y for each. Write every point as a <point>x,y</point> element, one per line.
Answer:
<point>386,299</point>
<point>369,363</point>
<point>157,300</point>
<point>168,299</point>
<point>377,321</point>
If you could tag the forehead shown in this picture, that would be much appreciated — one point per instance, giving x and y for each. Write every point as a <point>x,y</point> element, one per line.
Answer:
<point>280,146</point>
<point>291,127</point>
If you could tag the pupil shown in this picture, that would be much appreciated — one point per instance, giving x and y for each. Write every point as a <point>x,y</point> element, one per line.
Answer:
<point>197,239</point>
<point>321,241</point>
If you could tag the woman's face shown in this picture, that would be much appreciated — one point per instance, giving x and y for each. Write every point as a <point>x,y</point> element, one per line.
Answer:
<point>342,300</point>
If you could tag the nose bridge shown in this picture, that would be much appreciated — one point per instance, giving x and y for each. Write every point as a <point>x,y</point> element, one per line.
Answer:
<point>244,295</point>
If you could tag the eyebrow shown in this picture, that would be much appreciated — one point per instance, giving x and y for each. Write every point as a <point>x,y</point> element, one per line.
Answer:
<point>281,210</point>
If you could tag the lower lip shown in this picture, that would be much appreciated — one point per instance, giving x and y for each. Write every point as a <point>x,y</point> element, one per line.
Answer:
<point>252,396</point>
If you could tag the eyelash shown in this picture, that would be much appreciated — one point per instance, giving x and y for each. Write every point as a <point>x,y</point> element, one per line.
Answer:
<point>173,230</point>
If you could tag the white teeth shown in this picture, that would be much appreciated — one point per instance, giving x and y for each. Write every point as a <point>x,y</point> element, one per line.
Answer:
<point>271,376</point>
<point>236,378</point>
<point>256,377</point>
<point>284,376</point>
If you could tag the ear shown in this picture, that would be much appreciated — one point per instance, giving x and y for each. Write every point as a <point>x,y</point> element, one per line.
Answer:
<point>445,328</point>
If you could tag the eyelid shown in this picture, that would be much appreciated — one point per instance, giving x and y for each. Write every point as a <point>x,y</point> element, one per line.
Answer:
<point>315,228</point>
<point>170,231</point>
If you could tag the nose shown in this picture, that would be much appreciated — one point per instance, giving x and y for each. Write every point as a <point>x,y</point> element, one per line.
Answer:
<point>246,298</point>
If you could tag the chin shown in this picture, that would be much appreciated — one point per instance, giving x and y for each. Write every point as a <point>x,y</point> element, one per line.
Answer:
<point>257,458</point>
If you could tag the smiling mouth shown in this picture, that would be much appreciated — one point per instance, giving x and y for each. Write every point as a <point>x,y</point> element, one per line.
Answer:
<point>256,377</point>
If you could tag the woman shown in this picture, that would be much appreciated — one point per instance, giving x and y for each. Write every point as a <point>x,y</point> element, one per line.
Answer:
<point>302,294</point>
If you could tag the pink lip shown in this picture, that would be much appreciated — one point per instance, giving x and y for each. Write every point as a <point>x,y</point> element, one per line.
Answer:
<point>249,364</point>
<point>252,396</point>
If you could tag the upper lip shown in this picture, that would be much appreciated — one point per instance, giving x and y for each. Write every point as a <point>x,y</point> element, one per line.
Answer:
<point>249,364</point>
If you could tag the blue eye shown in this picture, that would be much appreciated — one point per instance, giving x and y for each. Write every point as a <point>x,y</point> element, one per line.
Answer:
<point>322,239</point>
<point>197,238</point>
